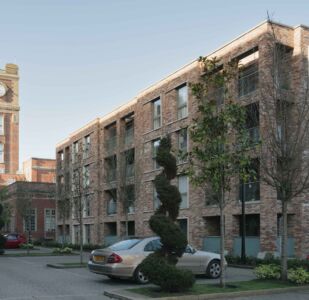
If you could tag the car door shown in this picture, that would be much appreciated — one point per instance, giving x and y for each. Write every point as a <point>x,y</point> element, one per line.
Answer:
<point>190,261</point>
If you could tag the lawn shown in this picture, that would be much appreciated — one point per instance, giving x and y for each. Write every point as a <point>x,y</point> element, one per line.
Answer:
<point>199,289</point>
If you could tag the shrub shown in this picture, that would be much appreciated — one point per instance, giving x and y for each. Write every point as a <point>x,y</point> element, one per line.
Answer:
<point>270,271</point>
<point>2,242</point>
<point>166,275</point>
<point>26,246</point>
<point>299,276</point>
<point>65,250</point>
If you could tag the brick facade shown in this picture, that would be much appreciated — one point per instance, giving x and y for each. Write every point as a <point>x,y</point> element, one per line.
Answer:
<point>108,143</point>
<point>40,170</point>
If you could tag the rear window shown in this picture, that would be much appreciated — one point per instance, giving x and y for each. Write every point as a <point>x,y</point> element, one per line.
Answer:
<point>125,245</point>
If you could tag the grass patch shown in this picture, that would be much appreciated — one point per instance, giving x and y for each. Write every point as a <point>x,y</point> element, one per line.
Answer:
<point>199,289</point>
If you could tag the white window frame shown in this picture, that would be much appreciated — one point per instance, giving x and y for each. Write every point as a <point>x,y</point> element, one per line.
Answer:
<point>180,148</point>
<point>49,219</point>
<point>154,150</point>
<point>33,214</point>
<point>87,146</point>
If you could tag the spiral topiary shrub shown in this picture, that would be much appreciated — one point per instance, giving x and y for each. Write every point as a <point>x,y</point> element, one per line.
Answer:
<point>160,267</point>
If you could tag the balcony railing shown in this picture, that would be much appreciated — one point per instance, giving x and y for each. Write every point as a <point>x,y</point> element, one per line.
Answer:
<point>110,144</point>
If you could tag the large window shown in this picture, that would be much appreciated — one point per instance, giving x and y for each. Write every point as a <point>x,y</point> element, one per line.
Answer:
<point>130,198</point>
<point>252,123</point>
<point>155,146</point>
<point>129,162</point>
<point>156,113</point>
<point>248,80</point>
<point>111,202</point>
<point>129,131</point>
<point>250,190</point>
<point>182,101</point>
<point>50,219</point>
<point>86,176</point>
<point>252,225</point>
<point>111,138</point>
<point>111,168</point>
<point>1,153</point>
<point>183,144</point>
<point>74,152</point>
<point>183,189</point>
<point>87,205</point>
<point>87,233</point>
<point>30,220</point>
<point>87,145</point>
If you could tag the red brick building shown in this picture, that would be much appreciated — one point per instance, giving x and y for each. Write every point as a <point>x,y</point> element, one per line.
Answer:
<point>39,170</point>
<point>38,199</point>
<point>168,107</point>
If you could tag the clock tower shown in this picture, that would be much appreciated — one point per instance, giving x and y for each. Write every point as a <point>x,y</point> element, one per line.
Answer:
<point>9,120</point>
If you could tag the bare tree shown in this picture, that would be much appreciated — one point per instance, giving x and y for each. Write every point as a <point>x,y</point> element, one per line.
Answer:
<point>24,210</point>
<point>284,113</point>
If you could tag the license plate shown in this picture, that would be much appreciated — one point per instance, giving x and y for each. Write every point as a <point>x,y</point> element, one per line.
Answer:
<point>97,258</point>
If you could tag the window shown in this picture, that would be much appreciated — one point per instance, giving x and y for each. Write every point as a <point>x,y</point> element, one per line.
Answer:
<point>111,168</point>
<point>129,132</point>
<point>111,202</point>
<point>30,220</point>
<point>1,124</point>
<point>156,200</point>
<point>183,144</point>
<point>111,138</point>
<point>74,152</point>
<point>252,123</point>
<point>87,205</point>
<point>87,146</point>
<point>129,163</point>
<point>156,107</point>
<point>130,198</point>
<point>248,79</point>
<point>252,225</point>
<point>155,146</point>
<point>50,219</point>
<point>182,101</point>
<point>86,176</point>
<point>75,183</point>
<point>183,189</point>
<point>153,246</point>
<point>183,224</point>
<point>250,191</point>
<point>87,235</point>
<point>1,153</point>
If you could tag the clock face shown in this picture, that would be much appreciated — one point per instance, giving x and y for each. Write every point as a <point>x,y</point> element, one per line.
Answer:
<point>2,89</point>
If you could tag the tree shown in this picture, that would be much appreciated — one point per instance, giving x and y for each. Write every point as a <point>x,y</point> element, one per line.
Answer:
<point>24,210</point>
<point>220,140</point>
<point>7,209</point>
<point>160,267</point>
<point>284,110</point>
<point>63,205</point>
<point>80,185</point>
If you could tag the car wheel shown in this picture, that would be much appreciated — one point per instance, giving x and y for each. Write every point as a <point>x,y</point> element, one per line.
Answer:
<point>140,277</point>
<point>214,269</point>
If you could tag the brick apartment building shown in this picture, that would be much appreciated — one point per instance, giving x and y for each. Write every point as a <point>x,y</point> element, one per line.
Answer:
<point>98,153</point>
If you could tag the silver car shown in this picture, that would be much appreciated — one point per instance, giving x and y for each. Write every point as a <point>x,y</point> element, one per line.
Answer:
<point>122,260</point>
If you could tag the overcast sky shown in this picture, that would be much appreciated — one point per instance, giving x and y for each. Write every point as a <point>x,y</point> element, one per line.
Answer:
<point>80,59</point>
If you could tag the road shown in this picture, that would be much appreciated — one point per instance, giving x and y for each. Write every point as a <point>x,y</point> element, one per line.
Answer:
<point>25,278</point>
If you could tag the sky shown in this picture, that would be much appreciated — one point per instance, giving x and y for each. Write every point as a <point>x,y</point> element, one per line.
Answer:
<point>80,59</point>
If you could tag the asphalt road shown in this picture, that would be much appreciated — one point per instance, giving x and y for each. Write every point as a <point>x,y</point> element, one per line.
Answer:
<point>25,278</point>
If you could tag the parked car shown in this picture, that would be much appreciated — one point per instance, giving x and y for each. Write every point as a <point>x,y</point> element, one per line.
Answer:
<point>13,240</point>
<point>123,259</point>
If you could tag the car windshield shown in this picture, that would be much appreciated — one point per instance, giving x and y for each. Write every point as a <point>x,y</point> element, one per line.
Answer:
<point>125,245</point>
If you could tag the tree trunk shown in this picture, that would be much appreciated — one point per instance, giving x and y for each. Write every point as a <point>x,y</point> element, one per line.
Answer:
<point>63,232</point>
<point>81,238</point>
<point>284,241</point>
<point>222,243</point>
<point>243,229</point>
